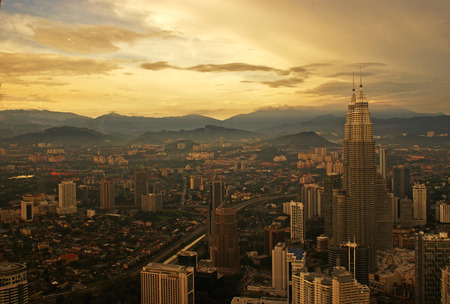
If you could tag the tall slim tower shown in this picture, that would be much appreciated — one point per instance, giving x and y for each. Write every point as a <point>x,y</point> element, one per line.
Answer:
<point>216,198</point>
<point>107,195</point>
<point>360,175</point>
<point>140,186</point>
<point>400,181</point>
<point>420,204</point>
<point>225,249</point>
<point>297,221</point>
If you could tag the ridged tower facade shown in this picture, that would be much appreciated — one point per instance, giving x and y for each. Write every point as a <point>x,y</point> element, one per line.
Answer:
<point>359,176</point>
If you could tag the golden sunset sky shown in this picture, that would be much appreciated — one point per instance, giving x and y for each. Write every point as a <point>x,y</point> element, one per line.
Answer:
<point>221,58</point>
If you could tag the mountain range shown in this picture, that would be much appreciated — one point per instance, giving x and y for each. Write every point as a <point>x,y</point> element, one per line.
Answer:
<point>260,125</point>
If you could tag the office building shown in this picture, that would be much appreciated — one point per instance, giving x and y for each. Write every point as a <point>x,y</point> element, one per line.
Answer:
<point>225,249</point>
<point>347,290</point>
<point>216,193</point>
<point>162,284</point>
<point>383,215</point>
<point>445,285</point>
<point>401,181</point>
<point>26,210</point>
<point>295,260</point>
<point>67,198</point>
<point>444,213</point>
<point>419,205</point>
<point>107,195</point>
<point>359,176</point>
<point>406,213</point>
<point>297,222</point>
<point>152,202</point>
<point>330,182</point>
<point>432,254</point>
<point>188,259</point>
<point>140,186</point>
<point>13,283</point>
<point>272,236</point>
<point>351,256</point>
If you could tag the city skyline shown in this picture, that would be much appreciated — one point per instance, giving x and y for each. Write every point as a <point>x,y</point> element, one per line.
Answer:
<point>220,59</point>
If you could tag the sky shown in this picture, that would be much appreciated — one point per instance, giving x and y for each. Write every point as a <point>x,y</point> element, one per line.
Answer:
<point>222,58</point>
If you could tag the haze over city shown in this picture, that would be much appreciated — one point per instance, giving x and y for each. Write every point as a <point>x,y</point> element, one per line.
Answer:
<point>219,59</point>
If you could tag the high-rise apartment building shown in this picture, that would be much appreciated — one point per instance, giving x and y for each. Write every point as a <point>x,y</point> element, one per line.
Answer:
<point>311,288</point>
<point>346,290</point>
<point>107,195</point>
<point>420,204</point>
<point>163,283</point>
<point>359,176</point>
<point>13,283</point>
<point>401,181</point>
<point>279,266</point>
<point>330,182</point>
<point>225,249</point>
<point>432,253</point>
<point>140,186</point>
<point>67,197</point>
<point>311,197</point>
<point>297,221</point>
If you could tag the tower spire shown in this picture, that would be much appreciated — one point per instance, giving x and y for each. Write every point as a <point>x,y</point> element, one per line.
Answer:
<point>360,78</point>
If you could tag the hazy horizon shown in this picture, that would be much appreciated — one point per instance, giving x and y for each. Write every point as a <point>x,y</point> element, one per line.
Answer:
<point>220,59</point>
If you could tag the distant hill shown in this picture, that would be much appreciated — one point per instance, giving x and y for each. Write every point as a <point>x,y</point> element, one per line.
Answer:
<point>303,140</point>
<point>69,136</point>
<point>265,123</point>
<point>207,134</point>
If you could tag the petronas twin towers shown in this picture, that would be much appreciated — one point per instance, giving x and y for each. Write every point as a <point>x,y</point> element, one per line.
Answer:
<point>356,214</point>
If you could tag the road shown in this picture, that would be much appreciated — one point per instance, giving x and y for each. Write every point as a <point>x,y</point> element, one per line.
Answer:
<point>166,253</point>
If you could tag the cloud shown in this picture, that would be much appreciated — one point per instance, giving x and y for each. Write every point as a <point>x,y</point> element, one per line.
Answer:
<point>49,64</point>
<point>156,66</point>
<point>216,68</point>
<point>287,83</point>
<point>87,39</point>
<point>235,67</point>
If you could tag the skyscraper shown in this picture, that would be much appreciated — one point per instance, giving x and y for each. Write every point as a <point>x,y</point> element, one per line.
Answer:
<point>400,181</point>
<point>311,197</point>
<point>272,236</point>
<point>432,253</point>
<point>383,214</point>
<point>297,222</point>
<point>140,186</point>
<point>161,284</point>
<point>420,204</point>
<point>216,192</point>
<point>225,249</point>
<point>67,197</point>
<point>330,182</point>
<point>107,195</point>
<point>359,176</point>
